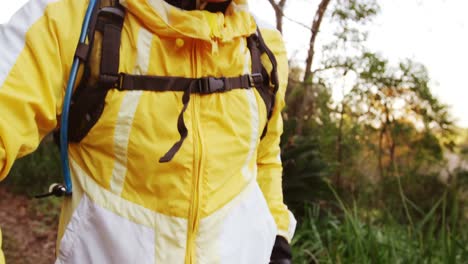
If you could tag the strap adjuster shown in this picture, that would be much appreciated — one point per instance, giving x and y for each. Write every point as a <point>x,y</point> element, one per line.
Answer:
<point>120,82</point>
<point>112,81</point>
<point>210,85</point>
<point>82,51</point>
<point>256,80</point>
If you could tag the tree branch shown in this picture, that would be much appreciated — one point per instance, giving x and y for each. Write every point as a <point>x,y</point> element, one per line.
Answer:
<point>278,8</point>
<point>319,14</point>
<point>297,22</point>
<point>279,14</point>
<point>329,67</point>
<point>314,30</point>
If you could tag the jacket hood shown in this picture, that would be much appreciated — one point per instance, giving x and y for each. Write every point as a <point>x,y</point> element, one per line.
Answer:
<point>166,20</point>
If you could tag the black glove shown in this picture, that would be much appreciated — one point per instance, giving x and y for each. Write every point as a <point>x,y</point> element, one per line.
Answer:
<point>281,253</point>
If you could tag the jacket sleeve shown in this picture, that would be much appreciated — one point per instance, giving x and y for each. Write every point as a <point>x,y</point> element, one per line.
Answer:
<point>269,153</point>
<point>36,51</point>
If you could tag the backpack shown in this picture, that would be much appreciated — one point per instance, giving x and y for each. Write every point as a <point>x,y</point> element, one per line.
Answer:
<point>100,56</point>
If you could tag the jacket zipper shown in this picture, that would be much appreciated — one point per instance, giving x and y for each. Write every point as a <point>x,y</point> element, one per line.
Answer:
<point>194,214</point>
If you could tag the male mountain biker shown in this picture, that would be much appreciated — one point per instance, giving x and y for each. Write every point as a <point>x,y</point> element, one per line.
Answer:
<point>216,195</point>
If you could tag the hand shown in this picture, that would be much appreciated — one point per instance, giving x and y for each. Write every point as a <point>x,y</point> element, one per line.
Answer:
<point>281,253</point>
<point>281,261</point>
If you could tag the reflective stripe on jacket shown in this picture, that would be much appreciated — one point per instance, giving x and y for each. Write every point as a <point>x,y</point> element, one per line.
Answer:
<point>218,201</point>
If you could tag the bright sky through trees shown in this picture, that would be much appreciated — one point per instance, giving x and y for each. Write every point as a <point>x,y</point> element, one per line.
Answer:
<point>431,32</point>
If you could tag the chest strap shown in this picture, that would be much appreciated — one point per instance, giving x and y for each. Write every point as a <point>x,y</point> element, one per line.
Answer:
<point>204,86</point>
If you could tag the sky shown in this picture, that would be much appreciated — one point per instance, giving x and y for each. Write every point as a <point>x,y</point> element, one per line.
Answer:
<point>432,32</point>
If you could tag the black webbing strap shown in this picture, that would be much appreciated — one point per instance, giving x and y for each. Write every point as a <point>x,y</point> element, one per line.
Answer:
<point>92,25</point>
<point>82,52</point>
<point>83,49</point>
<point>254,45</point>
<point>111,37</point>
<point>274,70</point>
<point>259,79</point>
<point>205,85</point>
<point>88,100</point>
<point>181,127</point>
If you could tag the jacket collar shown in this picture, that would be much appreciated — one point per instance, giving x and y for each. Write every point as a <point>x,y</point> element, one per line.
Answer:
<point>166,20</point>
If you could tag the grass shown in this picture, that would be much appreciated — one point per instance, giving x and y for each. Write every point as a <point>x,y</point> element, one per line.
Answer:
<point>351,236</point>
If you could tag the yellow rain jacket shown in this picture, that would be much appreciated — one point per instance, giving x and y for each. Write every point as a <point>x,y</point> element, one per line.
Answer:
<point>218,201</point>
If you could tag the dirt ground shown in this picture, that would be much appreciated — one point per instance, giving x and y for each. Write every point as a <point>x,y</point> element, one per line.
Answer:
<point>29,228</point>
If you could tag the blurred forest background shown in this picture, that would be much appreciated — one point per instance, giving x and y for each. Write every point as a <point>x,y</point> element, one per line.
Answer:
<point>380,176</point>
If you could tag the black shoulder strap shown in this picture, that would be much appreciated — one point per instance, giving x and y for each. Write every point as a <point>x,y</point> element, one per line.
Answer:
<point>88,100</point>
<point>111,36</point>
<point>82,52</point>
<point>270,85</point>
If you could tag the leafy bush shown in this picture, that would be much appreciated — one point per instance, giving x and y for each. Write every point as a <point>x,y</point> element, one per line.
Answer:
<point>32,174</point>
<point>303,181</point>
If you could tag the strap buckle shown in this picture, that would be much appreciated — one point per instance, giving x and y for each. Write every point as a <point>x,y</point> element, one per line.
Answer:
<point>120,82</point>
<point>255,80</point>
<point>111,81</point>
<point>210,85</point>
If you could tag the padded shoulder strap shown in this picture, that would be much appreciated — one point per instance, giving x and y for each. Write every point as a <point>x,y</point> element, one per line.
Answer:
<point>101,69</point>
<point>268,90</point>
<point>110,22</point>
<point>274,71</point>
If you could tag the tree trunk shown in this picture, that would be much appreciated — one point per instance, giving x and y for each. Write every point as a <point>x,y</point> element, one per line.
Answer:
<point>380,154</point>
<point>307,107</point>
<point>339,149</point>
<point>385,127</point>
<point>392,153</point>
<point>392,141</point>
<point>279,13</point>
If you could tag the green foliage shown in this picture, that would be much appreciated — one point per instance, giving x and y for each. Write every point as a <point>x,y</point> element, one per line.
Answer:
<point>355,10</point>
<point>32,174</point>
<point>463,143</point>
<point>383,147</point>
<point>303,179</point>
<point>419,193</point>
<point>353,236</point>
<point>351,16</point>
<point>391,93</point>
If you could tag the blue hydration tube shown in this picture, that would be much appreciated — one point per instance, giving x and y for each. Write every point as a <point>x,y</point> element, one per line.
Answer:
<point>67,101</point>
